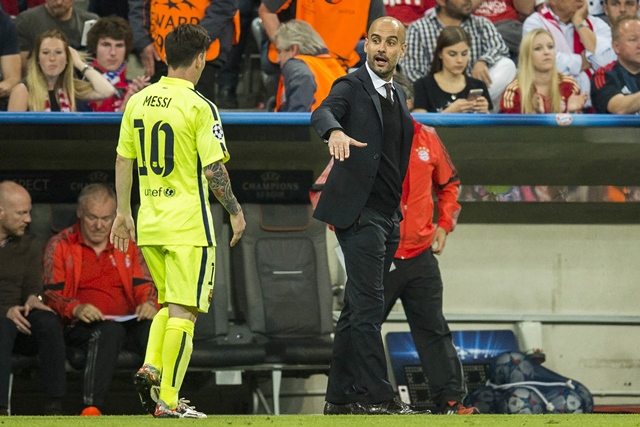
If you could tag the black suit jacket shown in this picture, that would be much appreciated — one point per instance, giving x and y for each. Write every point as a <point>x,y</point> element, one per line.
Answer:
<point>353,105</point>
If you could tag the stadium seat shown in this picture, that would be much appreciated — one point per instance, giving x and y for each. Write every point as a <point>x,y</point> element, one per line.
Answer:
<point>216,342</point>
<point>283,288</point>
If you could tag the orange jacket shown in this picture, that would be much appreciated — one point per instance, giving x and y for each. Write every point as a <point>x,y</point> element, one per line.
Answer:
<point>63,267</point>
<point>430,169</point>
<point>166,15</point>
<point>341,24</point>
<point>322,70</point>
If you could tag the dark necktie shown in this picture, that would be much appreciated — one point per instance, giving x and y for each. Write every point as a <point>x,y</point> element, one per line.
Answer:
<point>387,86</point>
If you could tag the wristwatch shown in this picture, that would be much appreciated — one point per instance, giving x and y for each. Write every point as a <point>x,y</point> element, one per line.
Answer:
<point>582,25</point>
<point>86,68</point>
<point>39,296</point>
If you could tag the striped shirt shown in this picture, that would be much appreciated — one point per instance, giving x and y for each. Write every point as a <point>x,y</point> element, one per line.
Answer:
<point>486,44</point>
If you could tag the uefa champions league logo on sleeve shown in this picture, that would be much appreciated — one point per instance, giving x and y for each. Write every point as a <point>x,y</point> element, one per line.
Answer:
<point>218,132</point>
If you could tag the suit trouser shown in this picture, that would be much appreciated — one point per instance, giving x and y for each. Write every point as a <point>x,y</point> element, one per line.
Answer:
<point>46,341</point>
<point>418,284</point>
<point>358,370</point>
<point>103,341</point>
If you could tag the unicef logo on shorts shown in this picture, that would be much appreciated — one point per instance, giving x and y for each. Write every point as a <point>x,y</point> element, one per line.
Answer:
<point>169,192</point>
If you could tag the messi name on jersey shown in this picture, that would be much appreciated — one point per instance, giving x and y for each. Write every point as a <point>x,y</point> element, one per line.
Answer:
<point>157,101</point>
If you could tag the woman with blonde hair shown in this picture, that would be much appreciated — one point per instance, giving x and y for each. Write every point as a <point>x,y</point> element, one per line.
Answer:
<point>539,87</point>
<point>50,84</point>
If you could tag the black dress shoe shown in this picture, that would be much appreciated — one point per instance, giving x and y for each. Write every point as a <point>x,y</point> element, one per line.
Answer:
<point>393,406</point>
<point>344,409</point>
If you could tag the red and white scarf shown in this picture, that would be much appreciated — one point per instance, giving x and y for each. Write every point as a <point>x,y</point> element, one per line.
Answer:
<point>63,102</point>
<point>562,45</point>
<point>119,81</point>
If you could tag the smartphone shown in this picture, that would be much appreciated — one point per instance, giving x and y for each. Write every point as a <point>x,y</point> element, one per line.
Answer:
<point>87,26</point>
<point>403,393</point>
<point>473,94</point>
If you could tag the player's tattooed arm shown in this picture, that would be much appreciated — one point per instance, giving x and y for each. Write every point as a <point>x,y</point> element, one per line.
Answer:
<point>220,185</point>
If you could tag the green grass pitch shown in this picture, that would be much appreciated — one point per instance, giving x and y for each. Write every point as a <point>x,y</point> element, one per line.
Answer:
<point>591,420</point>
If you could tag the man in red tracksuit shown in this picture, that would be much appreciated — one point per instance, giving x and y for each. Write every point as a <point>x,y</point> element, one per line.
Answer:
<point>414,276</point>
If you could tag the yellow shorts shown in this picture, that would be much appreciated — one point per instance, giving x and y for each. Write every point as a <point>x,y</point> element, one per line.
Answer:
<point>182,274</point>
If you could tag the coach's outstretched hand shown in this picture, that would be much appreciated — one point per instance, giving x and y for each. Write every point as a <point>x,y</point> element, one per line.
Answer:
<point>339,143</point>
<point>122,230</point>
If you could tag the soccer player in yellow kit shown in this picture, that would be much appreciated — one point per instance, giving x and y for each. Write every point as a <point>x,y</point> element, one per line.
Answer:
<point>176,136</point>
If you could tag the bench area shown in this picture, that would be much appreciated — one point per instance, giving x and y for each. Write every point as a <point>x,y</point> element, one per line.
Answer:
<point>252,332</point>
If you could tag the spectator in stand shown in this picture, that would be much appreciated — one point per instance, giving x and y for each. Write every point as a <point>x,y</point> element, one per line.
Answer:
<point>616,87</point>
<point>50,84</point>
<point>110,40</point>
<point>14,7</point>
<point>52,15</point>
<point>507,16</point>
<point>407,11</point>
<point>446,88</point>
<point>9,59</point>
<point>582,42</point>
<point>488,58</point>
<point>540,88</point>
<point>27,326</point>
<point>220,18</point>
<point>308,70</point>
<point>614,9</point>
<point>229,76</point>
<point>341,24</point>
<point>90,284</point>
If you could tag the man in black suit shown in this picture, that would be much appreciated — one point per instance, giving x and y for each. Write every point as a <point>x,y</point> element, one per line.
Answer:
<point>361,198</point>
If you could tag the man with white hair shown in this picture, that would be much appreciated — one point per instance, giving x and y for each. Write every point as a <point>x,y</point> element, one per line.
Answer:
<point>308,70</point>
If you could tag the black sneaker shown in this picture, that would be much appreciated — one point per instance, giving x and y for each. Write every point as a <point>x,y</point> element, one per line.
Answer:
<point>457,408</point>
<point>147,382</point>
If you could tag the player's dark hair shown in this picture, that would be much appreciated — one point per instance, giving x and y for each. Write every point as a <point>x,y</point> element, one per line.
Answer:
<point>184,44</point>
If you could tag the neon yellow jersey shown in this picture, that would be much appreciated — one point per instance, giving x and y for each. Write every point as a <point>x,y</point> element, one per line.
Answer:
<point>173,132</point>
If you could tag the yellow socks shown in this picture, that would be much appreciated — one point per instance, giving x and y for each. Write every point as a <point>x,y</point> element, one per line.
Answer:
<point>157,331</point>
<point>176,353</point>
